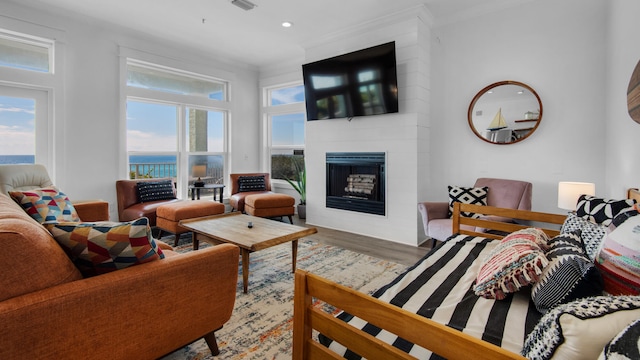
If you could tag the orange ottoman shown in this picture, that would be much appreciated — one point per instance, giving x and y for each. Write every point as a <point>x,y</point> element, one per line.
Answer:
<point>169,215</point>
<point>270,205</point>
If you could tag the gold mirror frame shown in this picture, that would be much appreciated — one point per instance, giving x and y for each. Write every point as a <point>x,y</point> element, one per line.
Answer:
<point>523,126</point>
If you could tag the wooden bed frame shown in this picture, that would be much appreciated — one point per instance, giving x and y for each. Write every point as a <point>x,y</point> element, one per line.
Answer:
<point>442,340</point>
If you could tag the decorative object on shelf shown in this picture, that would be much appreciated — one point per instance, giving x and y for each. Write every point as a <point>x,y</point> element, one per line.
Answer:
<point>633,94</point>
<point>570,191</point>
<point>300,186</point>
<point>512,102</point>
<point>199,171</point>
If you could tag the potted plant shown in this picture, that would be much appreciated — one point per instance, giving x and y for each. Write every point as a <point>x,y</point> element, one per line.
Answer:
<point>300,185</point>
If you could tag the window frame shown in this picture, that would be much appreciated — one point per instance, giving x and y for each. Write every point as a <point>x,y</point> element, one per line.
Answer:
<point>182,102</point>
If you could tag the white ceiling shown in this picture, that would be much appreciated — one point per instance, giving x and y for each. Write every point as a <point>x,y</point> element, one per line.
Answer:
<point>256,36</point>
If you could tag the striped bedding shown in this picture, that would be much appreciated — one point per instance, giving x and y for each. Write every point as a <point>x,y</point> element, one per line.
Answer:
<point>440,287</point>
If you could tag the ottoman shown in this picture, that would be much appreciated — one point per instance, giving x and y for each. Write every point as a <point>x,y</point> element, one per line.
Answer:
<point>270,205</point>
<point>169,215</point>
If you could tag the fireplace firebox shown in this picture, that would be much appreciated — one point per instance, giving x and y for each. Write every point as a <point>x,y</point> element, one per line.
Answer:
<point>356,182</point>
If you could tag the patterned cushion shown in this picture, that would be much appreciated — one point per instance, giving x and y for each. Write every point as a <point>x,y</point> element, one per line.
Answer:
<point>516,262</point>
<point>581,328</point>
<point>46,205</point>
<point>624,345</point>
<point>619,256</point>
<point>569,276</point>
<point>467,195</point>
<point>251,183</point>
<point>601,211</point>
<point>155,190</point>
<point>592,234</point>
<point>101,247</point>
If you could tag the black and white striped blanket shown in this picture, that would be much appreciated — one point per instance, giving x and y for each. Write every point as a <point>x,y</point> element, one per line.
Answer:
<point>439,287</point>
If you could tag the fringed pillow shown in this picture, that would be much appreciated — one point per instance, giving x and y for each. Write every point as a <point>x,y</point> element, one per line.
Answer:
<point>516,262</point>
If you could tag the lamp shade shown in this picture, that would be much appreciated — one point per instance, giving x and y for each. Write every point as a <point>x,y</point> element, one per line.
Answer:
<point>569,192</point>
<point>199,170</point>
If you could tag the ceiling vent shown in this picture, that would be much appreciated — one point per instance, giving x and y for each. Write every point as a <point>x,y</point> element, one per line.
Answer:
<point>244,4</point>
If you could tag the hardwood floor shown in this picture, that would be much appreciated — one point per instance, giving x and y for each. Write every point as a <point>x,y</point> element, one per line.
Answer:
<point>383,249</point>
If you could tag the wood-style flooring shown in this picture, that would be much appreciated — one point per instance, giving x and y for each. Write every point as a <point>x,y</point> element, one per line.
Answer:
<point>382,249</point>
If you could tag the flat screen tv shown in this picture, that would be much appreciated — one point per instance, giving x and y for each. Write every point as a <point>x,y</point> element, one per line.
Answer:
<point>360,83</point>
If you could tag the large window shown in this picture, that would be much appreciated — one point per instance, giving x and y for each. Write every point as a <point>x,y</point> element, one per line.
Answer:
<point>168,136</point>
<point>286,123</point>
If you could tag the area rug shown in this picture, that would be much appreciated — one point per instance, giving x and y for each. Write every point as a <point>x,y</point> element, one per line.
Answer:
<point>262,322</point>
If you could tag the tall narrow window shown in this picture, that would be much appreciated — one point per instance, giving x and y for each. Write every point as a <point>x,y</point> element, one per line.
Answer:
<point>286,123</point>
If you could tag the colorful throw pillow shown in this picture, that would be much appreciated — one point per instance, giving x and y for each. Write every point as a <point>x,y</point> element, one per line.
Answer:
<point>569,276</point>
<point>252,183</point>
<point>46,205</point>
<point>102,247</point>
<point>619,256</point>
<point>155,190</point>
<point>624,345</point>
<point>599,210</point>
<point>592,234</point>
<point>516,262</point>
<point>467,195</point>
<point>581,328</point>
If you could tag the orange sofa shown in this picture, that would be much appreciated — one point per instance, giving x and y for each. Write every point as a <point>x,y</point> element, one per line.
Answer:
<point>48,310</point>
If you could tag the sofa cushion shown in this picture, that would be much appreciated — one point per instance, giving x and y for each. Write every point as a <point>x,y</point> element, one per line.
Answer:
<point>601,211</point>
<point>580,329</point>
<point>155,190</point>
<point>105,246</point>
<point>23,242</point>
<point>569,276</point>
<point>624,345</point>
<point>592,234</point>
<point>467,195</point>
<point>252,183</point>
<point>48,204</point>
<point>516,262</point>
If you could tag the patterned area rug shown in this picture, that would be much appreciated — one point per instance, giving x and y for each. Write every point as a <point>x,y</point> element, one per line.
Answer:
<point>262,322</point>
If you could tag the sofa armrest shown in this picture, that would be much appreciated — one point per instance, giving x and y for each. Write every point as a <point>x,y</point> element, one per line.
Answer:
<point>431,210</point>
<point>92,210</point>
<point>144,311</point>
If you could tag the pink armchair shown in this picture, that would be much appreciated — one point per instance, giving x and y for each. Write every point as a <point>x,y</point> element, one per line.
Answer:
<point>504,193</point>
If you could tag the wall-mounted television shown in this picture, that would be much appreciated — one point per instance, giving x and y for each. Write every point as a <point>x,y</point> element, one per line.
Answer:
<point>359,83</point>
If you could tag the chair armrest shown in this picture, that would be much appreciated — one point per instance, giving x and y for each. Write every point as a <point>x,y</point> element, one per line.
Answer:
<point>92,210</point>
<point>431,210</point>
<point>145,311</point>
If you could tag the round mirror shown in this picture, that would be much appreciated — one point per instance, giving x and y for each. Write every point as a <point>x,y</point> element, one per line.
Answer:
<point>505,112</point>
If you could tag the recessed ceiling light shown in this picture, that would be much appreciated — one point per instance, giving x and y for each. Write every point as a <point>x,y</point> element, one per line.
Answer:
<point>287,24</point>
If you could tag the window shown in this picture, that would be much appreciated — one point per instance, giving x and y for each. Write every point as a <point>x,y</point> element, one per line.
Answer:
<point>25,134</point>
<point>285,115</point>
<point>21,51</point>
<point>167,136</point>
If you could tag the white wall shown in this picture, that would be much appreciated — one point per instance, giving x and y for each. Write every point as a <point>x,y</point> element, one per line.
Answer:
<point>556,47</point>
<point>89,152</point>
<point>622,167</point>
<point>398,135</point>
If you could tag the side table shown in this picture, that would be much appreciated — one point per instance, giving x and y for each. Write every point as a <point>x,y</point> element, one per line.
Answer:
<point>217,188</point>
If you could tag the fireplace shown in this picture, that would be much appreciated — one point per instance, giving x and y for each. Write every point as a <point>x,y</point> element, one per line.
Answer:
<point>356,182</point>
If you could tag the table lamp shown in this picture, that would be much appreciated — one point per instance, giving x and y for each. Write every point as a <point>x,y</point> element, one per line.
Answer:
<point>569,192</point>
<point>199,171</point>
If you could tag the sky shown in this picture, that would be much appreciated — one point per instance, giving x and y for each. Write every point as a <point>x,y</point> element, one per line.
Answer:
<point>150,127</point>
<point>17,126</point>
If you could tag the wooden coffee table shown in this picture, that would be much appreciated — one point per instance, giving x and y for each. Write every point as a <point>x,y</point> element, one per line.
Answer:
<point>233,228</point>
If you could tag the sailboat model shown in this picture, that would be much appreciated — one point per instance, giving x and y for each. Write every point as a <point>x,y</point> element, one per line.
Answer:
<point>498,122</point>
